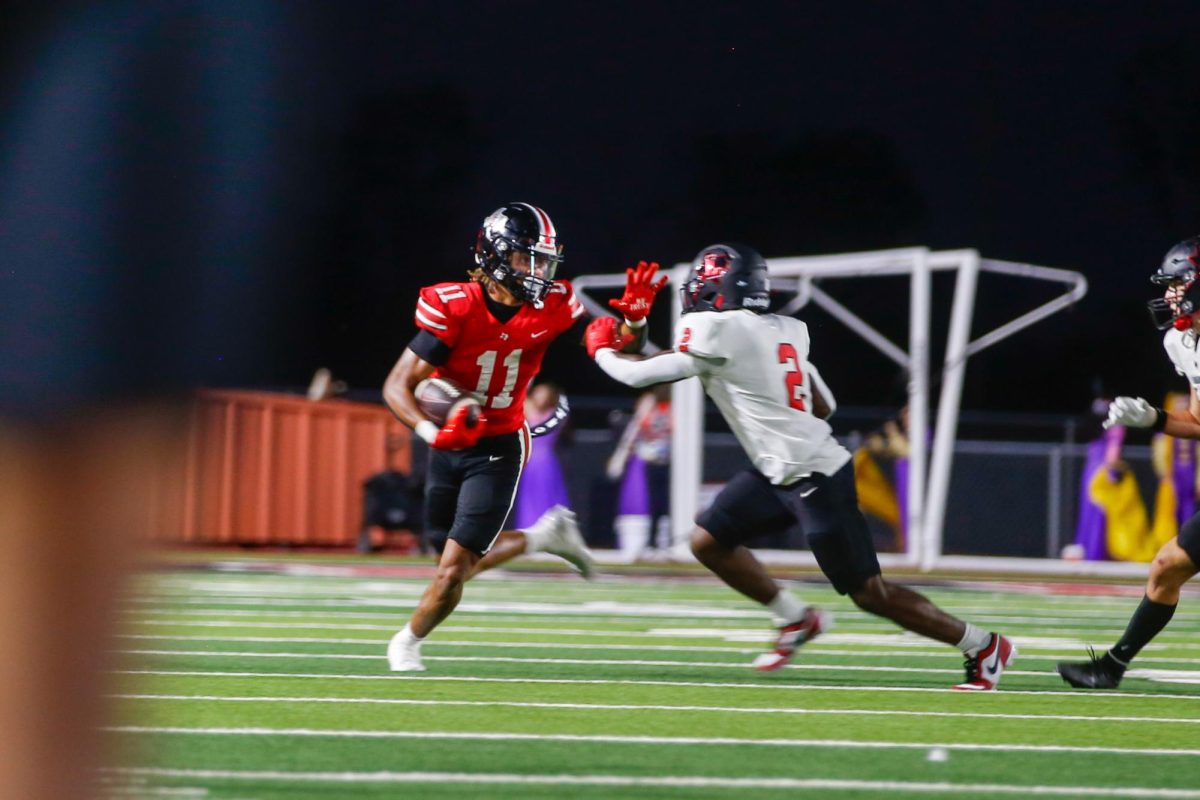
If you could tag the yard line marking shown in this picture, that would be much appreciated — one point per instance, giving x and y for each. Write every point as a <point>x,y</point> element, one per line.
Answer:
<point>727,634</point>
<point>570,610</point>
<point>608,662</point>
<point>681,781</point>
<point>872,712</point>
<point>663,740</point>
<point>653,607</point>
<point>942,650</point>
<point>878,627</point>
<point>628,682</point>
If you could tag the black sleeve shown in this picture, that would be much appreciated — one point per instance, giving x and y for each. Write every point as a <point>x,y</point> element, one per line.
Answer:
<point>430,348</point>
<point>574,334</point>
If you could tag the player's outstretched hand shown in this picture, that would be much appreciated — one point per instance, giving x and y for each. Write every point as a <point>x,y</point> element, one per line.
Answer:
<point>1132,412</point>
<point>462,429</point>
<point>602,334</point>
<point>640,289</point>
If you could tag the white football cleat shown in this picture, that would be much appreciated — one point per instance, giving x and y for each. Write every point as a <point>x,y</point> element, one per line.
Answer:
<point>791,637</point>
<point>557,533</point>
<point>404,653</point>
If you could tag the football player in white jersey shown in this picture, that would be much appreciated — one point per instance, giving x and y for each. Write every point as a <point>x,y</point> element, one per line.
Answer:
<point>755,367</point>
<point>1178,313</point>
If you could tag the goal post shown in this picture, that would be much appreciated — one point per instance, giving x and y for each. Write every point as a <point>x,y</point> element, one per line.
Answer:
<point>929,467</point>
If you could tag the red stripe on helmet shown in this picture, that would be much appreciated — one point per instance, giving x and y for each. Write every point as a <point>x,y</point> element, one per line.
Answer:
<point>548,232</point>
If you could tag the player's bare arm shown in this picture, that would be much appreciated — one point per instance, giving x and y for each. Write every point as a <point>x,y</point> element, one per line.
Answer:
<point>823,403</point>
<point>1184,424</point>
<point>409,370</point>
<point>821,406</point>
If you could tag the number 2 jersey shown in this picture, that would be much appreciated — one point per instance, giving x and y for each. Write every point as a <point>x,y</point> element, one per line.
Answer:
<point>755,368</point>
<point>494,359</point>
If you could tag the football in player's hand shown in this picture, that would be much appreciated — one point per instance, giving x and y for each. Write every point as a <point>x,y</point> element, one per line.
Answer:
<point>439,398</point>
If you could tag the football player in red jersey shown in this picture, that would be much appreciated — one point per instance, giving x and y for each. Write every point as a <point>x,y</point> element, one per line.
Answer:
<point>489,335</point>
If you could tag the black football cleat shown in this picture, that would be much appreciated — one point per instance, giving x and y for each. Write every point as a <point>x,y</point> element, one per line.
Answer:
<point>1102,672</point>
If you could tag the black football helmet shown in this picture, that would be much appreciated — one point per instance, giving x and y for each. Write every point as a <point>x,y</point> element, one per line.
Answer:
<point>1179,269</point>
<point>727,277</point>
<point>519,228</point>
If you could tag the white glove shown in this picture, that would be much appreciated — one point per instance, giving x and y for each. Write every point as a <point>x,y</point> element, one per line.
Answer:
<point>1132,412</point>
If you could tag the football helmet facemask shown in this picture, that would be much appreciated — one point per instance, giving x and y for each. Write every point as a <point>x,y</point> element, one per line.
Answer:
<point>727,277</point>
<point>518,248</point>
<point>1177,275</point>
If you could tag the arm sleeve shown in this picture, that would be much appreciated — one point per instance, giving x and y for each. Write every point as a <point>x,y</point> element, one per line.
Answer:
<point>670,366</point>
<point>430,348</point>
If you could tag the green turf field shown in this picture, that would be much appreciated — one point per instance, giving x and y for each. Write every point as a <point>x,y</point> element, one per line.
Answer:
<point>245,683</point>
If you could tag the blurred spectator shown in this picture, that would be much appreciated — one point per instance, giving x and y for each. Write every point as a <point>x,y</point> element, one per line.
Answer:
<point>876,496</point>
<point>1103,452</point>
<point>323,386</point>
<point>1121,530</point>
<point>642,462</point>
<point>542,483</point>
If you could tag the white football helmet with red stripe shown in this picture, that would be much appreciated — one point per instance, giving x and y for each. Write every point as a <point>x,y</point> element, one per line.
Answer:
<point>526,231</point>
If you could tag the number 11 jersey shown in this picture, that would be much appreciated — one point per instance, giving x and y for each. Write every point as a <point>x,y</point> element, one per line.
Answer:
<point>494,359</point>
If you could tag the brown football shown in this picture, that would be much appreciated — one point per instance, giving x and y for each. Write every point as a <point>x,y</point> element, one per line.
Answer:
<point>440,397</point>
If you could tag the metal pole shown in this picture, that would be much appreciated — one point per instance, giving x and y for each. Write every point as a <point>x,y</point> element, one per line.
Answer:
<point>918,401</point>
<point>948,405</point>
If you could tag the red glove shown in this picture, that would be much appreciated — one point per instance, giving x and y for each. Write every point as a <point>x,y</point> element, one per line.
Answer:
<point>601,334</point>
<point>639,291</point>
<point>462,429</point>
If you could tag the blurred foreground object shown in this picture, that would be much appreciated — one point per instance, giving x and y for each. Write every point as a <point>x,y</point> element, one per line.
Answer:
<point>74,499</point>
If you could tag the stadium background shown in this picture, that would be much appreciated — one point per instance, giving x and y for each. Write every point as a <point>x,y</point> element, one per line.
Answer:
<point>232,194</point>
<point>235,193</point>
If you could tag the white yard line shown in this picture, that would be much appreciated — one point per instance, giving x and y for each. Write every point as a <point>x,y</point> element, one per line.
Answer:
<point>657,740</point>
<point>760,634</point>
<point>585,607</point>
<point>767,685</point>
<point>684,781</point>
<point>874,626</point>
<point>1033,615</point>
<point>942,650</point>
<point>608,662</point>
<point>841,712</point>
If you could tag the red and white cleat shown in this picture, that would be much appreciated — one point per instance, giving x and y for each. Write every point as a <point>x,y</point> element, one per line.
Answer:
<point>791,637</point>
<point>985,667</point>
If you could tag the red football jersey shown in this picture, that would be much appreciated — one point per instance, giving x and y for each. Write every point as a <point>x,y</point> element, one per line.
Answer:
<point>493,359</point>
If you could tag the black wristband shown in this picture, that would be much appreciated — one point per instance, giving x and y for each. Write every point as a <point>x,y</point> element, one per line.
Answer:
<point>1160,422</point>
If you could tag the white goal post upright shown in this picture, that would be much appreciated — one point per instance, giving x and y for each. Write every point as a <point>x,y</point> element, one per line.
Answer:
<point>926,498</point>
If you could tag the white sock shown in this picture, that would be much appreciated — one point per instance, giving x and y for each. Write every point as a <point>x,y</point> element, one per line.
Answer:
<point>534,539</point>
<point>786,608</point>
<point>973,639</point>
<point>633,531</point>
<point>408,637</point>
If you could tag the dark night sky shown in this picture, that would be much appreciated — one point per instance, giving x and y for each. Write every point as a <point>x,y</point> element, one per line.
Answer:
<point>380,134</point>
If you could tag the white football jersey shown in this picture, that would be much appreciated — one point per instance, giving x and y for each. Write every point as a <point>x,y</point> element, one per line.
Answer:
<point>1181,348</point>
<point>755,368</point>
